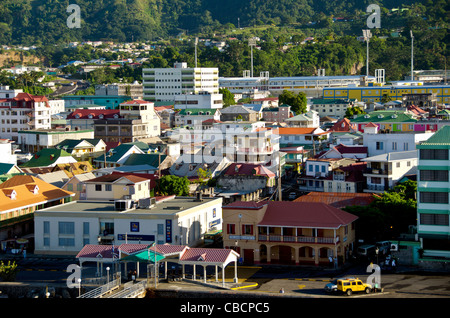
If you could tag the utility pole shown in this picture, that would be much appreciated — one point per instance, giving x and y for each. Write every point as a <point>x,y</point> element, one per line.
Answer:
<point>367,35</point>
<point>251,43</point>
<point>412,55</point>
<point>196,43</point>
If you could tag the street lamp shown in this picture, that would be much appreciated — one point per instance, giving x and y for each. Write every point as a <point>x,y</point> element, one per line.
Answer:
<point>376,252</point>
<point>79,286</point>
<point>107,275</point>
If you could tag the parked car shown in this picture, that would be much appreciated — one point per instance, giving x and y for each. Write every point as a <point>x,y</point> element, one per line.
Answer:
<point>350,286</point>
<point>331,287</point>
<point>383,247</point>
<point>292,195</point>
<point>366,250</point>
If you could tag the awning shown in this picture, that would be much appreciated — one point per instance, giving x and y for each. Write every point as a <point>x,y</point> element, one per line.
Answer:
<point>143,256</point>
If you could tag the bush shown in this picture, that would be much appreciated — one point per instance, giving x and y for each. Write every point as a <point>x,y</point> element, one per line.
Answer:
<point>8,271</point>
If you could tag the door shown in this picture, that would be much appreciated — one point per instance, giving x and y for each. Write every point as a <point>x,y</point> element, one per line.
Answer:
<point>248,257</point>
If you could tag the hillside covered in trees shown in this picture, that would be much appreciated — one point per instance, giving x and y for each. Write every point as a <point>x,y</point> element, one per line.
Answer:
<point>44,21</point>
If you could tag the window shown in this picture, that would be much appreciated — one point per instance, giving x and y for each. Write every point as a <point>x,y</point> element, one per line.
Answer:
<point>434,175</point>
<point>85,228</point>
<point>64,241</point>
<point>46,227</point>
<point>433,154</point>
<point>231,228</point>
<point>394,145</point>
<point>379,145</point>
<point>247,229</point>
<point>66,227</point>
<point>160,229</point>
<point>108,187</point>
<point>434,197</point>
<point>434,219</point>
<point>46,241</point>
<point>98,187</point>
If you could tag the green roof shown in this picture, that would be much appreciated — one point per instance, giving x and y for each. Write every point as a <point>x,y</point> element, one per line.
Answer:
<point>137,159</point>
<point>143,256</point>
<point>384,116</point>
<point>45,158</point>
<point>440,138</point>
<point>332,101</point>
<point>5,167</point>
<point>116,153</point>
<point>196,111</point>
<point>140,144</point>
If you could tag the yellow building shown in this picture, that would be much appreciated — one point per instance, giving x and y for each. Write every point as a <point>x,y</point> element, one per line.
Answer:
<point>287,232</point>
<point>118,187</point>
<point>395,92</point>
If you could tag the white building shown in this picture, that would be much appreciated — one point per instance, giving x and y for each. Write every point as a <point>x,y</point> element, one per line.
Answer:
<point>164,84</point>
<point>65,229</point>
<point>145,111</point>
<point>378,144</point>
<point>200,100</point>
<point>24,112</point>
<point>7,155</point>
<point>385,170</point>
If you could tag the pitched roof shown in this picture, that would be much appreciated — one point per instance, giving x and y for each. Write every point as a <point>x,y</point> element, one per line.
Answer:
<point>296,131</point>
<point>151,159</point>
<point>394,156</point>
<point>246,205</point>
<point>305,214</point>
<point>45,157</point>
<point>385,116</point>
<point>111,178</point>
<point>337,199</point>
<point>347,125</point>
<point>237,109</point>
<point>198,111</point>
<point>22,186</point>
<point>248,169</point>
<point>440,137</point>
<point>95,113</point>
<point>344,149</point>
<point>117,153</point>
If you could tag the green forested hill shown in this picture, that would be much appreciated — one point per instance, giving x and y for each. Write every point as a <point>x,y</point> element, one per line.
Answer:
<point>44,21</point>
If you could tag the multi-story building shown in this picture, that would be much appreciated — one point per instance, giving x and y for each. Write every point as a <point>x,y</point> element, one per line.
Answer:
<point>378,143</point>
<point>24,112</point>
<point>290,233</point>
<point>385,170</point>
<point>433,194</point>
<point>134,90</point>
<point>310,119</point>
<point>335,108</point>
<point>200,100</point>
<point>164,84</point>
<point>387,121</point>
<point>137,120</point>
<point>65,229</point>
<point>238,112</point>
<point>395,92</point>
<point>277,114</point>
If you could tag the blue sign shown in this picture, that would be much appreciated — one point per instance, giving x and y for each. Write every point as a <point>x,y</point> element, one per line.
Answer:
<point>134,226</point>
<point>214,223</point>
<point>168,231</point>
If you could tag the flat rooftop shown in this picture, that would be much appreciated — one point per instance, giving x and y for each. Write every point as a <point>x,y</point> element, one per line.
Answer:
<point>166,207</point>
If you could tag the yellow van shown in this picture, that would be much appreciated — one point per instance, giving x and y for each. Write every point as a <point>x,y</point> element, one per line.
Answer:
<point>350,286</point>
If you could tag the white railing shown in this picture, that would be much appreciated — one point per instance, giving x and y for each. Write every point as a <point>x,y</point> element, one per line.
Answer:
<point>102,290</point>
<point>129,291</point>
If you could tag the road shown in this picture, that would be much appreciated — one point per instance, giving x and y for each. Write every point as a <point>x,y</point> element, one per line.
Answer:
<point>295,280</point>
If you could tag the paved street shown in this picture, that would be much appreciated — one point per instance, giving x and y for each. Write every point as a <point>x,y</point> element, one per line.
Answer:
<point>265,280</point>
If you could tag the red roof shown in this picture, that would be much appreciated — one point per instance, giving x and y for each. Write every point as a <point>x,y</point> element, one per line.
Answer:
<point>305,214</point>
<point>248,169</point>
<point>208,255</point>
<point>136,101</point>
<point>95,251</point>
<point>84,113</point>
<point>29,98</point>
<point>116,176</point>
<point>338,200</point>
<point>246,205</point>
<point>351,149</point>
<point>343,125</point>
<point>371,125</point>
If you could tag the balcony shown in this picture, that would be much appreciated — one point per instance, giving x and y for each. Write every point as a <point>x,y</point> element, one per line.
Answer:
<point>297,239</point>
<point>384,172</point>
<point>376,188</point>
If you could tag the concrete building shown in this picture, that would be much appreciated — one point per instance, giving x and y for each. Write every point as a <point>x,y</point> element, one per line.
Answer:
<point>36,140</point>
<point>385,170</point>
<point>238,112</point>
<point>288,233</point>
<point>201,100</point>
<point>335,108</point>
<point>165,84</point>
<point>175,220</point>
<point>433,203</point>
<point>378,143</point>
<point>277,114</point>
<point>133,90</point>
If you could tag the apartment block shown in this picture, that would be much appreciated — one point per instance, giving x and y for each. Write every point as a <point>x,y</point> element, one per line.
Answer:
<point>165,84</point>
<point>433,187</point>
